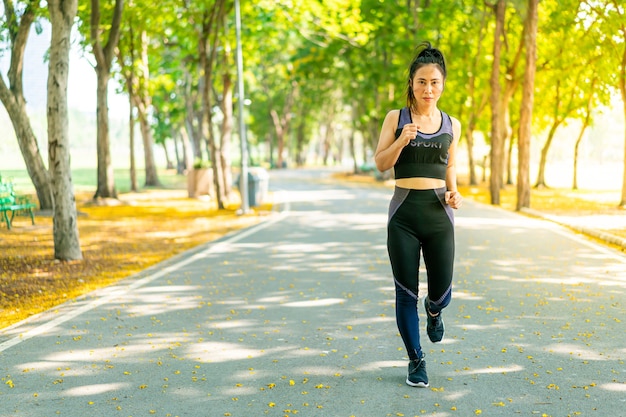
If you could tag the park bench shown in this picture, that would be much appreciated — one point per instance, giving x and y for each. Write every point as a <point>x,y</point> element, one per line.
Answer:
<point>12,204</point>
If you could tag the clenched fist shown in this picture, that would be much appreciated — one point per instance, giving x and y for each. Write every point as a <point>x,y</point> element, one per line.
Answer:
<point>409,132</point>
<point>453,199</point>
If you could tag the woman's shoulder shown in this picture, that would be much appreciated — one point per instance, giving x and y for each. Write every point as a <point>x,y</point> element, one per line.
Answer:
<point>394,113</point>
<point>393,117</point>
<point>454,120</point>
<point>456,127</point>
<point>455,123</point>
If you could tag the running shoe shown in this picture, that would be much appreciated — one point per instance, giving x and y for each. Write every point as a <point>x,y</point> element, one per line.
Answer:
<point>417,376</point>
<point>434,324</point>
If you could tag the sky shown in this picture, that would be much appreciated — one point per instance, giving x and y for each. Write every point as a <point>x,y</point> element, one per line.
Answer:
<point>82,77</point>
<point>82,97</point>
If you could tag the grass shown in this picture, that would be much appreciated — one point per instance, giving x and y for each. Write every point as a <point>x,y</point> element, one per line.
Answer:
<point>84,180</point>
<point>118,238</point>
<point>555,201</point>
<point>124,237</point>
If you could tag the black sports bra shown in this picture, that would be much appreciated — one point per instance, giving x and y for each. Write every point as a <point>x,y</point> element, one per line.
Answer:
<point>427,154</point>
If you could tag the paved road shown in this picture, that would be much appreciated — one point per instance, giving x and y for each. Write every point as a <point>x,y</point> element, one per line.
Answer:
<point>295,317</point>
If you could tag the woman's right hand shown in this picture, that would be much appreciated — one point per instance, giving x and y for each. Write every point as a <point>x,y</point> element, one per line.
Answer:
<point>389,147</point>
<point>409,132</point>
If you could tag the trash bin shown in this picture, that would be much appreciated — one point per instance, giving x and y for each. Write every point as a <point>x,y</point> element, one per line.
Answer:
<point>258,183</point>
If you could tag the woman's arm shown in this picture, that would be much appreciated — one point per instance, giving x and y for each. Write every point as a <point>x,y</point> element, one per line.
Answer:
<point>389,148</point>
<point>453,197</point>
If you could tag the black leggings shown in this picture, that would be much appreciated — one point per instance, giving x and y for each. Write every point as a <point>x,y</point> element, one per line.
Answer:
<point>419,220</point>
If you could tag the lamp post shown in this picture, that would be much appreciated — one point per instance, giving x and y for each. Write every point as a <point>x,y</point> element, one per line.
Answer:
<point>245,204</point>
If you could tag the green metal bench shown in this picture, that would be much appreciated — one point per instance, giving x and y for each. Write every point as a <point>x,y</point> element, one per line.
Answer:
<point>12,204</point>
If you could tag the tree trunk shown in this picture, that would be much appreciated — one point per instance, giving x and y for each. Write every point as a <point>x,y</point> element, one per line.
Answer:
<point>129,77</point>
<point>497,149</point>
<point>353,139</point>
<point>351,144</point>
<point>218,179</point>
<point>177,154</point>
<point>280,137</point>
<point>622,89</point>
<point>152,179</point>
<point>556,122</point>
<point>510,87</point>
<point>526,113</point>
<point>106,180</point>
<point>281,124</point>
<point>622,202</point>
<point>327,143</point>
<point>300,139</point>
<point>213,150</point>
<point>187,149</point>
<point>207,52</point>
<point>509,158</point>
<point>227,129</point>
<point>16,109</point>
<point>131,135</point>
<point>329,134</point>
<point>143,102</point>
<point>65,227</point>
<point>137,85</point>
<point>576,148</point>
<point>507,131</point>
<point>104,57</point>
<point>168,161</point>
<point>541,175</point>
<point>12,97</point>
<point>582,131</point>
<point>477,105</point>
<point>190,118</point>
<point>469,137</point>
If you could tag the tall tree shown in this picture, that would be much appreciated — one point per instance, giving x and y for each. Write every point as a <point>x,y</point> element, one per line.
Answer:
<point>226,106</point>
<point>138,80</point>
<point>604,24</point>
<point>18,26</point>
<point>497,140</point>
<point>619,47</point>
<point>585,124</point>
<point>301,73</point>
<point>169,99</point>
<point>561,89</point>
<point>512,81</point>
<point>526,113</point>
<point>468,43</point>
<point>65,226</point>
<point>609,17</point>
<point>103,43</point>
<point>207,20</point>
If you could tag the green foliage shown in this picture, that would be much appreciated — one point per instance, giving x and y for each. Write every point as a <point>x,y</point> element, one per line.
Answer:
<point>343,63</point>
<point>200,164</point>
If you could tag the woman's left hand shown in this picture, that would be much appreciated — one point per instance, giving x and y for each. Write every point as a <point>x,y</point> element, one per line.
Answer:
<point>454,199</point>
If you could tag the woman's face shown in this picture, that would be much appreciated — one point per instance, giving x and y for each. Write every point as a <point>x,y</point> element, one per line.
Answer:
<point>427,84</point>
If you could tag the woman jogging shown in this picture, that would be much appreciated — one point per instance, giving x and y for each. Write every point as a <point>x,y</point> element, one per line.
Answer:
<point>419,141</point>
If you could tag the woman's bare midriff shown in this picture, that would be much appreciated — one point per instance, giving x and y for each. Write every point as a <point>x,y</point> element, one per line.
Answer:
<point>420,183</point>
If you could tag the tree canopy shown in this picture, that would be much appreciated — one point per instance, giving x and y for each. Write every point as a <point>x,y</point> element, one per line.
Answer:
<point>321,75</point>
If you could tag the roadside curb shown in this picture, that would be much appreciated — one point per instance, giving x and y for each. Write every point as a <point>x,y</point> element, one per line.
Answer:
<point>598,234</point>
<point>604,236</point>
